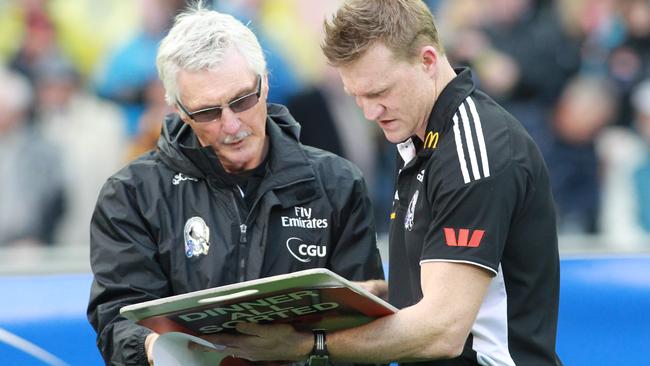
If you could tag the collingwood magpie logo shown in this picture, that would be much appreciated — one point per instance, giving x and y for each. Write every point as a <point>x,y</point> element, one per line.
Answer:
<point>408,220</point>
<point>303,251</point>
<point>303,219</point>
<point>197,237</point>
<point>180,177</point>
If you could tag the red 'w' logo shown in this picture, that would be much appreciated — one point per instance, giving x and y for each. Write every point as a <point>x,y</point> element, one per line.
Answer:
<point>463,236</point>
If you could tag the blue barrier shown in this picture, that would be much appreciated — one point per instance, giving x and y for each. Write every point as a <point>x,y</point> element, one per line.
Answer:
<point>50,312</point>
<point>603,315</point>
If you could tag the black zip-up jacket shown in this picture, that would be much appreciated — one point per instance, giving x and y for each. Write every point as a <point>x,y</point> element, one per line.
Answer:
<point>310,210</point>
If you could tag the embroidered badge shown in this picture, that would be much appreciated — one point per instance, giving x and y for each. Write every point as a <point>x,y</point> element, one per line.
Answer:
<point>408,220</point>
<point>180,177</point>
<point>197,237</point>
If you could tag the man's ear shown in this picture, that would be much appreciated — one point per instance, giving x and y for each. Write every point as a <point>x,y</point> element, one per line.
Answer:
<point>429,59</point>
<point>265,85</point>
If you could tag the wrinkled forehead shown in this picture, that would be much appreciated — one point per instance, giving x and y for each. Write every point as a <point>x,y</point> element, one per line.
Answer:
<point>219,84</point>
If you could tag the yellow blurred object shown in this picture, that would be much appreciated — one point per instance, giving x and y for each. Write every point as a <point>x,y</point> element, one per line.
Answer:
<point>296,26</point>
<point>89,29</point>
<point>11,29</point>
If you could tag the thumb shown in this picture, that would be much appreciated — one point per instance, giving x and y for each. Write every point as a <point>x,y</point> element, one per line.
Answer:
<point>148,345</point>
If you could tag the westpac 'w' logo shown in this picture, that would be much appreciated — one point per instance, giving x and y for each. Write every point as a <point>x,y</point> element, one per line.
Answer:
<point>462,239</point>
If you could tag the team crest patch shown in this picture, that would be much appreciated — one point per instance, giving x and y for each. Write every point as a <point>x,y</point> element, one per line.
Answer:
<point>180,177</point>
<point>410,213</point>
<point>197,237</point>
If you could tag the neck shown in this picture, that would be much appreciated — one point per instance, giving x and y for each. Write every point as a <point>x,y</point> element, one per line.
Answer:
<point>444,75</point>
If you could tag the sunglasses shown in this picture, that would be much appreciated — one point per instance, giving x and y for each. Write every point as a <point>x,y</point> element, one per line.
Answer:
<point>238,105</point>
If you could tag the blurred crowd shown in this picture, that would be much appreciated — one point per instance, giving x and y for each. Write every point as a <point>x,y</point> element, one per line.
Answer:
<point>80,97</point>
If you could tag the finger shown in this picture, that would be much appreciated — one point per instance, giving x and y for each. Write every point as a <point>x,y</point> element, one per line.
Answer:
<point>250,329</point>
<point>224,339</point>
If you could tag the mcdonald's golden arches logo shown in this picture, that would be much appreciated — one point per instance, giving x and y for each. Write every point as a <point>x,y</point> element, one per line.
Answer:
<point>431,141</point>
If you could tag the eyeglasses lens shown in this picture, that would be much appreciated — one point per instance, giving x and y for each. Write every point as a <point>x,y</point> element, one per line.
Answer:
<point>244,103</point>
<point>207,116</point>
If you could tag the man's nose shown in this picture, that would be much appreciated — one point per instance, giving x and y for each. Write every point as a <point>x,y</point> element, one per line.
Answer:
<point>230,124</point>
<point>372,111</point>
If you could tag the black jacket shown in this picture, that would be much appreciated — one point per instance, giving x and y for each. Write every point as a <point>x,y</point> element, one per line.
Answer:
<point>141,230</point>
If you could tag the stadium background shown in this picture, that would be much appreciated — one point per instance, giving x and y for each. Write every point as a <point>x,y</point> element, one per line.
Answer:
<point>79,98</point>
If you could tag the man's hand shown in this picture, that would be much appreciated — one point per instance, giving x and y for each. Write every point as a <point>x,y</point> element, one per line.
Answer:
<point>148,346</point>
<point>279,342</point>
<point>378,288</point>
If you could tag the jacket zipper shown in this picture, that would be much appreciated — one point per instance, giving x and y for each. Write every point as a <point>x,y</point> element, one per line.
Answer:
<point>242,233</point>
<point>241,270</point>
<point>243,228</point>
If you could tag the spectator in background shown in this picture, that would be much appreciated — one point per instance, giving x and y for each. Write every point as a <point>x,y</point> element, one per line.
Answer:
<point>89,133</point>
<point>525,55</point>
<point>82,30</point>
<point>39,39</point>
<point>32,188</point>
<point>131,67</point>
<point>585,107</point>
<point>522,55</point>
<point>629,61</point>
<point>623,151</point>
<point>150,122</point>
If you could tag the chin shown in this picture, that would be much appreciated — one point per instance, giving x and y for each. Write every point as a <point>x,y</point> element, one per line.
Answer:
<point>234,167</point>
<point>395,138</point>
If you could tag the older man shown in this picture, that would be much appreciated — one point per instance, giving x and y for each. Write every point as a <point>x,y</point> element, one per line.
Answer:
<point>228,195</point>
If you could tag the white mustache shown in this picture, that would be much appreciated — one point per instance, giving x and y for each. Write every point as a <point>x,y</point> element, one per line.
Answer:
<point>232,139</point>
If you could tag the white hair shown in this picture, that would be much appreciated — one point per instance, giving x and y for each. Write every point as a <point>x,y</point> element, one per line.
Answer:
<point>199,40</point>
<point>16,92</point>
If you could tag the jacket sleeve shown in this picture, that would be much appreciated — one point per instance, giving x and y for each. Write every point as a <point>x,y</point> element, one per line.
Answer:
<point>124,261</point>
<point>355,255</point>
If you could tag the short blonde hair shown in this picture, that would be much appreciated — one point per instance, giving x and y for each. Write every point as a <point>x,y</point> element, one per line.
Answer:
<point>404,26</point>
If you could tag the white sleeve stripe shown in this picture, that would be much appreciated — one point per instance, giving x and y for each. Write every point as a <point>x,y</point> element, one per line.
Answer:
<point>470,142</point>
<point>479,135</point>
<point>459,149</point>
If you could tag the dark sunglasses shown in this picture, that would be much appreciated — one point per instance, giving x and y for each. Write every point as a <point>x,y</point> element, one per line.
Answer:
<point>238,105</point>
